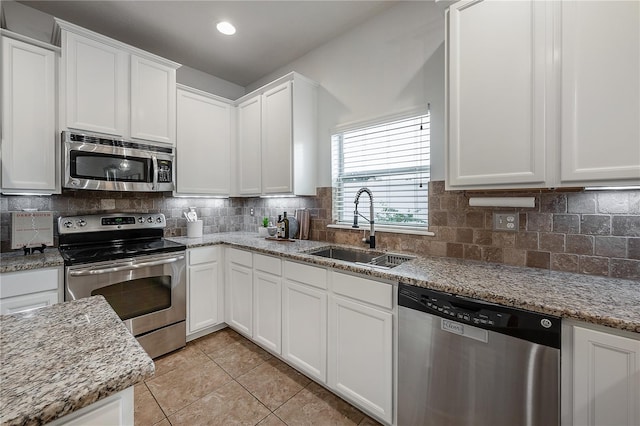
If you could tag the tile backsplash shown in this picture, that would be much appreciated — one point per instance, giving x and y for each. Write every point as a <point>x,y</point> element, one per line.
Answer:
<point>588,232</point>
<point>218,215</point>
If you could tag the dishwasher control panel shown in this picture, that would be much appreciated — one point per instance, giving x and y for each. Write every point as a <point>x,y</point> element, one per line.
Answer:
<point>541,328</point>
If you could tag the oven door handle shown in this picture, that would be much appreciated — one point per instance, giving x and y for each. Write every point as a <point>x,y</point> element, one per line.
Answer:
<point>128,267</point>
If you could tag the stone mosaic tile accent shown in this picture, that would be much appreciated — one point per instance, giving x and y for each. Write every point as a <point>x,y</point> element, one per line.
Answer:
<point>58,359</point>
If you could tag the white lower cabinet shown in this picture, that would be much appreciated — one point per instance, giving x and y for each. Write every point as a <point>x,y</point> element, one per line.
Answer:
<point>26,290</point>
<point>361,343</point>
<point>304,319</point>
<point>204,289</point>
<point>267,302</point>
<point>239,291</point>
<point>606,377</point>
<point>114,410</point>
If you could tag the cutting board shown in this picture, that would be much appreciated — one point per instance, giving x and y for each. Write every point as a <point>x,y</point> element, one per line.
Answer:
<point>31,229</point>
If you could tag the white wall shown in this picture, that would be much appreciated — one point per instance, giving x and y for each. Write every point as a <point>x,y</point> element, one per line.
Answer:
<point>206,82</point>
<point>389,64</point>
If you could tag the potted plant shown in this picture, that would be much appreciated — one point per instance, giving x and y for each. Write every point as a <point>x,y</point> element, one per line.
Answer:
<point>262,230</point>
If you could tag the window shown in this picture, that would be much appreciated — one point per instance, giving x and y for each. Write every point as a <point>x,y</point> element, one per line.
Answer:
<point>392,160</point>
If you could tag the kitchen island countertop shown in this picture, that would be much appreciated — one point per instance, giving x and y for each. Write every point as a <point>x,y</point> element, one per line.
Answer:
<point>58,359</point>
<point>606,301</point>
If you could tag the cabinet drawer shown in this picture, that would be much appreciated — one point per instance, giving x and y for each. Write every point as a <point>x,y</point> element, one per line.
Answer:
<point>28,302</point>
<point>26,282</point>
<point>366,290</point>
<point>240,257</point>
<point>271,265</point>
<point>310,275</point>
<point>203,255</point>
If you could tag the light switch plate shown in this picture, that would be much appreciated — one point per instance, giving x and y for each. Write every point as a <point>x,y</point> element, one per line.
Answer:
<point>506,221</point>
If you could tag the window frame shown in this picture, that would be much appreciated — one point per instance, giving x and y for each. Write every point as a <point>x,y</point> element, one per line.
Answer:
<point>413,229</point>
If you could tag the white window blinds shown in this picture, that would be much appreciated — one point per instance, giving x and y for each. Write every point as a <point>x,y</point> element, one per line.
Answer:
<point>392,160</point>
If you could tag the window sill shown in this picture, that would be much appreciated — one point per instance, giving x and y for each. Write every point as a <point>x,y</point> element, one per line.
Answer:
<point>386,229</point>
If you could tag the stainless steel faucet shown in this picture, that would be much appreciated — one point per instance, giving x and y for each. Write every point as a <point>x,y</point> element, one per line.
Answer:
<point>372,231</point>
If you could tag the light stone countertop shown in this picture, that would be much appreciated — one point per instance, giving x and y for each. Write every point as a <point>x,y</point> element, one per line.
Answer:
<point>600,300</point>
<point>14,261</point>
<point>58,359</point>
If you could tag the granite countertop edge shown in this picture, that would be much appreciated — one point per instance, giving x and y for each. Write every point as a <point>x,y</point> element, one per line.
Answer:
<point>74,371</point>
<point>538,290</point>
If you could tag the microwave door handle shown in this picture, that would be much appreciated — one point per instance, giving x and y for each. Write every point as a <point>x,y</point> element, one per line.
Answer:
<point>128,267</point>
<point>154,159</point>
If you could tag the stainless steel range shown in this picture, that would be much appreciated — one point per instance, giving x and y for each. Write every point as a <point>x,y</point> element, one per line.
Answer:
<point>125,258</point>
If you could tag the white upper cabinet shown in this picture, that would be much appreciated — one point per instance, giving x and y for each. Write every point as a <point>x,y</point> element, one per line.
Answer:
<point>113,88</point>
<point>543,94</point>
<point>95,85</point>
<point>277,115</point>
<point>497,53</point>
<point>277,138</point>
<point>30,148</point>
<point>600,92</point>
<point>203,144</point>
<point>249,141</point>
<point>153,100</point>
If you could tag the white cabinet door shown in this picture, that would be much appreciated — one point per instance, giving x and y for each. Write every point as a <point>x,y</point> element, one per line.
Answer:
<point>249,161</point>
<point>116,409</point>
<point>606,379</point>
<point>153,101</point>
<point>497,75</point>
<point>277,149</point>
<point>239,291</point>
<point>600,92</point>
<point>204,289</point>
<point>203,145</point>
<point>96,85</point>
<point>30,149</point>
<point>267,310</point>
<point>304,323</point>
<point>28,302</point>
<point>360,355</point>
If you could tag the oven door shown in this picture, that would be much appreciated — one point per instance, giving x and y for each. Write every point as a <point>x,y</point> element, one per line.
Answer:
<point>147,292</point>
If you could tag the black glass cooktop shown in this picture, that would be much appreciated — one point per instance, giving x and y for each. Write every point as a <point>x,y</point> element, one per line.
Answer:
<point>117,250</point>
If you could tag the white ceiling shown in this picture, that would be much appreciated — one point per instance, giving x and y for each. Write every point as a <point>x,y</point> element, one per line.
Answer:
<point>270,33</point>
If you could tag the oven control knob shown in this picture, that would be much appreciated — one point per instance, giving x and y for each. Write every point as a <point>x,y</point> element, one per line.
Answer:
<point>68,224</point>
<point>82,222</point>
<point>159,219</point>
<point>150,219</point>
<point>141,219</point>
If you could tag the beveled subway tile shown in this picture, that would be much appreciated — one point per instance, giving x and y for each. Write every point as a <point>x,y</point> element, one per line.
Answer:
<point>240,357</point>
<point>180,387</point>
<point>185,357</point>
<point>146,410</point>
<point>229,404</point>
<point>273,383</point>
<point>316,405</point>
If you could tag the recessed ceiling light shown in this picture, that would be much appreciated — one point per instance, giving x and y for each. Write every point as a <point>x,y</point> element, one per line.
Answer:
<point>226,28</point>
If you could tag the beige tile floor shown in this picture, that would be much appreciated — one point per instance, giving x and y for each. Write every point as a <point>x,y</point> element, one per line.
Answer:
<point>224,379</point>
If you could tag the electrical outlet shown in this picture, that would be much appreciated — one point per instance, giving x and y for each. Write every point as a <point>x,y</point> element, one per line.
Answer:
<point>251,211</point>
<point>505,221</point>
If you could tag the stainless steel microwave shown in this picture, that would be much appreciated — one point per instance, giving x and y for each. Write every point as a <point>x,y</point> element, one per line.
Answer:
<point>99,163</point>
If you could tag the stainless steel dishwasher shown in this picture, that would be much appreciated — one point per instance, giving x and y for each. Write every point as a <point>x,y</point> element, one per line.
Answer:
<point>468,362</point>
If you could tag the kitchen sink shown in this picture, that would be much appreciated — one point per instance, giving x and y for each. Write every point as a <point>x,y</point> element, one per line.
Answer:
<point>362,257</point>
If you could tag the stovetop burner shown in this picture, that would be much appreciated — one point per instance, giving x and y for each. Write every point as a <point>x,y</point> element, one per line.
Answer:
<point>99,238</point>
<point>104,252</point>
